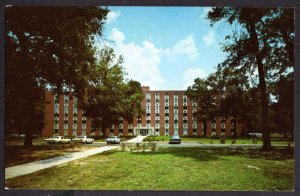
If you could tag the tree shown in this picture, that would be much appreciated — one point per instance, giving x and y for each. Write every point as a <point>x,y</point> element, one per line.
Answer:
<point>226,93</point>
<point>204,92</point>
<point>46,47</point>
<point>258,44</point>
<point>110,96</point>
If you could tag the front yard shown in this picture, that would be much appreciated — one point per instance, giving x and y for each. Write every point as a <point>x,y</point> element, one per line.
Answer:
<point>169,169</point>
<point>274,140</point>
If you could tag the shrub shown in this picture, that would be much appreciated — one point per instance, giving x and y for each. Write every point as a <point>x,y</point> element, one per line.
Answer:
<point>223,139</point>
<point>123,145</point>
<point>254,140</point>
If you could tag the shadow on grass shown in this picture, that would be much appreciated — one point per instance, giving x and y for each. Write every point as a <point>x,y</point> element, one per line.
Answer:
<point>16,154</point>
<point>211,154</point>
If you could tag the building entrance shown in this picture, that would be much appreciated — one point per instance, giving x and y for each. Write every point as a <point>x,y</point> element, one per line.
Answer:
<point>144,132</point>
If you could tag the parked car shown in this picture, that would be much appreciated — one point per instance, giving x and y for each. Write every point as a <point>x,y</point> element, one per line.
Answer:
<point>83,139</point>
<point>257,135</point>
<point>113,140</point>
<point>175,139</point>
<point>57,140</point>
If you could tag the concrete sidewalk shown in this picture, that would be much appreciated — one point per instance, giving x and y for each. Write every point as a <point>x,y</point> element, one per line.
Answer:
<point>28,168</point>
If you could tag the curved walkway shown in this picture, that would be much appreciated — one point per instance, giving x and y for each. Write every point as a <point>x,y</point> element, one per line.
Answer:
<point>28,168</point>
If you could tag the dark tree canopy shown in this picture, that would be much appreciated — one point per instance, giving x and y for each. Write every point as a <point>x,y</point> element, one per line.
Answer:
<point>46,47</point>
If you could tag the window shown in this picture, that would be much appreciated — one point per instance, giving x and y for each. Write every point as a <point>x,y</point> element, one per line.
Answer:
<point>129,130</point>
<point>55,131</point>
<point>148,114</point>
<point>166,100</point>
<point>185,107</point>
<point>184,114</point>
<point>175,121</point>
<point>157,101</point>
<point>66,122</point>
<point>167,130</point>
<point>120,130</point>
<point>166,121</point>
<point>56,115</point>
<point>194,130</point>
<point>111,131</point>
<point>157,122</point>
<point>166,107</point>
<point>166,114</point>
<point>148,121</point>
<point>75,121</point>
<point>157,115</point>
<point>185,121</point>
<point>148,100</point>
<point>175,107</point>
<point>166,93</point>
<point>157,130</point>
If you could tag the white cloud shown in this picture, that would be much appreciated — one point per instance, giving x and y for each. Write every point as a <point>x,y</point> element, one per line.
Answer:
<point>117,36</point>
<point>141,61</point>
<point>186,46</point>
<point>209,39</point>
<point>112,16</point>
<point>191,74</point>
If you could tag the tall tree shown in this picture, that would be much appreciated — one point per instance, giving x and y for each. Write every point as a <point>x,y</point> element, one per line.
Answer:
<point>255,45</point>
<point>205,93</point>
<point>46,47</point>
<point>110,96</point>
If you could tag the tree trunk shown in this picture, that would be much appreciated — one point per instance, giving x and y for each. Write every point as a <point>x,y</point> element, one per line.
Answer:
<point>234,127</point>
<point>28,139</point>
<point>204,128</point>
<point>104,130</point>
<point>262,85</point>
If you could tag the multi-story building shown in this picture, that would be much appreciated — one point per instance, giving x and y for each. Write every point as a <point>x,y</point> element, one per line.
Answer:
<point>167,112</point>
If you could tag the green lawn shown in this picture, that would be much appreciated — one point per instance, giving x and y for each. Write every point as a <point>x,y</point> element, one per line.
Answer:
<point>275,141</point>
<point>169,169</point>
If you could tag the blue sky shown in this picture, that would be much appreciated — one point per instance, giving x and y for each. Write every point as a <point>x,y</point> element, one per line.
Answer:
<point>165,48</point>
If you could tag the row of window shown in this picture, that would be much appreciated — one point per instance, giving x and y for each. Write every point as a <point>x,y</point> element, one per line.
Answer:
<point>83,126</point>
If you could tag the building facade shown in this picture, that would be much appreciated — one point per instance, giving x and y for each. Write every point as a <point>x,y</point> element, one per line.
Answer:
<point>166,113</point>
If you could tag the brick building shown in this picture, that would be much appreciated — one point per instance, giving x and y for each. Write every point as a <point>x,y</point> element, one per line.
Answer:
<point>166,113</point>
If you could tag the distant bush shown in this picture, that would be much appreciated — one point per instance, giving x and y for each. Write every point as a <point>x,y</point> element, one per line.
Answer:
<point>97,137</point>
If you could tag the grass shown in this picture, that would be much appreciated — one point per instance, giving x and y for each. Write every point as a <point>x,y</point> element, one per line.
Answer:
<point>169,169</point>
<point>275,141</point>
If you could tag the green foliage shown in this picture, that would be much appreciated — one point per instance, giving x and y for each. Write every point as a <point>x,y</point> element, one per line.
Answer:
<point>46,47</point>
<point>264,41</point>
<point>109,96</point>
